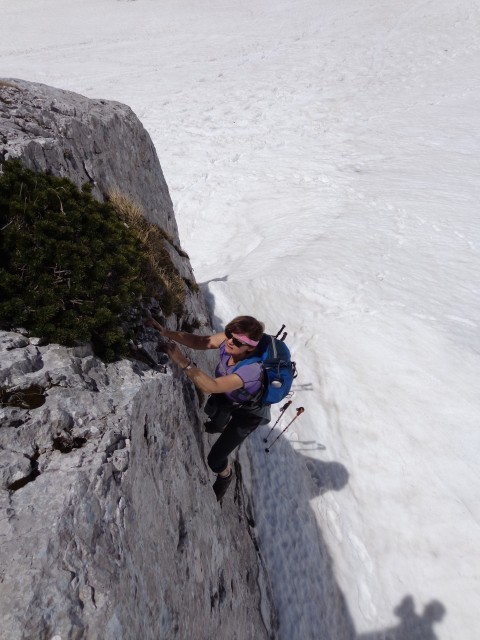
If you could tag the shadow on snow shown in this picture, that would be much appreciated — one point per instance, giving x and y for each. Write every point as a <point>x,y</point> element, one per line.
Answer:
<point>307,597</point>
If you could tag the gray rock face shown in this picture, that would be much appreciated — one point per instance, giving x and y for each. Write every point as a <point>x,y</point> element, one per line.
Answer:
<point>95,141</point>
<point>109,527</point>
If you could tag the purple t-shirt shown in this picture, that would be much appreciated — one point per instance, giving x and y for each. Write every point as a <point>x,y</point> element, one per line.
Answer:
<point>251,374</point>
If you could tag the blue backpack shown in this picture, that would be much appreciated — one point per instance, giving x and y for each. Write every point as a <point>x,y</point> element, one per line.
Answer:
<point>279,370</point>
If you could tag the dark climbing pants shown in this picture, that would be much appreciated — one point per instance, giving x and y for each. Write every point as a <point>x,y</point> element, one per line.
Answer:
<point>239,421</point>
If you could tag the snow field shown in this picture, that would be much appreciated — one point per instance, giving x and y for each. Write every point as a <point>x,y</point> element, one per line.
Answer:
<point>323,161</point>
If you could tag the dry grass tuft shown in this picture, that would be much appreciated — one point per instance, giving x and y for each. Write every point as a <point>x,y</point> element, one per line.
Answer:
<point>8,85</point>
<point>162,278</point>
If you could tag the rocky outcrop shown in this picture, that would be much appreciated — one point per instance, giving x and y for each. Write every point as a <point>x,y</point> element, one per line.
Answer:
<point>95,141</point>
<point>109,527</point>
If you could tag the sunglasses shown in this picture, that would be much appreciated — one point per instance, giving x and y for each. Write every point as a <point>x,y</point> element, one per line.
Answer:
<point>236,342</point>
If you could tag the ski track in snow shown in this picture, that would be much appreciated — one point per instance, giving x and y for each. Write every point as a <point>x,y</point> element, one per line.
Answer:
<point>323,161</point>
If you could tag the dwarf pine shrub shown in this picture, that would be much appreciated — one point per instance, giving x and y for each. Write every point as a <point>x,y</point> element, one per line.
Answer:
<point>69,267</point>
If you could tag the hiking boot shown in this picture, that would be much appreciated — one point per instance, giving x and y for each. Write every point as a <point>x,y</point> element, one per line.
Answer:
<point>221,485</point>
<point>211,427</point>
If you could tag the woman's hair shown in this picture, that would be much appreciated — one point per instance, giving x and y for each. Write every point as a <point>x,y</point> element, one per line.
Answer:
<point>247,325</point>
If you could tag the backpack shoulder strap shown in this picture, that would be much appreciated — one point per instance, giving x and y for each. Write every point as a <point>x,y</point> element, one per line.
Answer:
<point>247,361</point>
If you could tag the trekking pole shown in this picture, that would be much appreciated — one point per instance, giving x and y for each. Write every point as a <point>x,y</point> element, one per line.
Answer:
<point>280,330</point>
<point>300,410</point>
<point>282,411</point>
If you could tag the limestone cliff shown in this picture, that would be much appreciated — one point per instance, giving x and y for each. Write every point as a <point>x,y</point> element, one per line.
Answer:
<point>109,527</point>
<point>96,141</point>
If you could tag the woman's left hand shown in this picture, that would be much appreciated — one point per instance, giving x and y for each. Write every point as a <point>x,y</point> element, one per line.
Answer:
<point>175,354</point>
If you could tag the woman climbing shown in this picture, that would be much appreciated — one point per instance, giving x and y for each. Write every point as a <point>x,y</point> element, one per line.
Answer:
<point>231,406</point>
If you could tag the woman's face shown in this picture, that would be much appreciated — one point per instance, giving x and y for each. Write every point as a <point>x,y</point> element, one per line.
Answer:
<point>235,347</point>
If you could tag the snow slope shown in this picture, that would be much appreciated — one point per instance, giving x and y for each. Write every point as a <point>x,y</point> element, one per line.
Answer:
<point>323,159</point>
